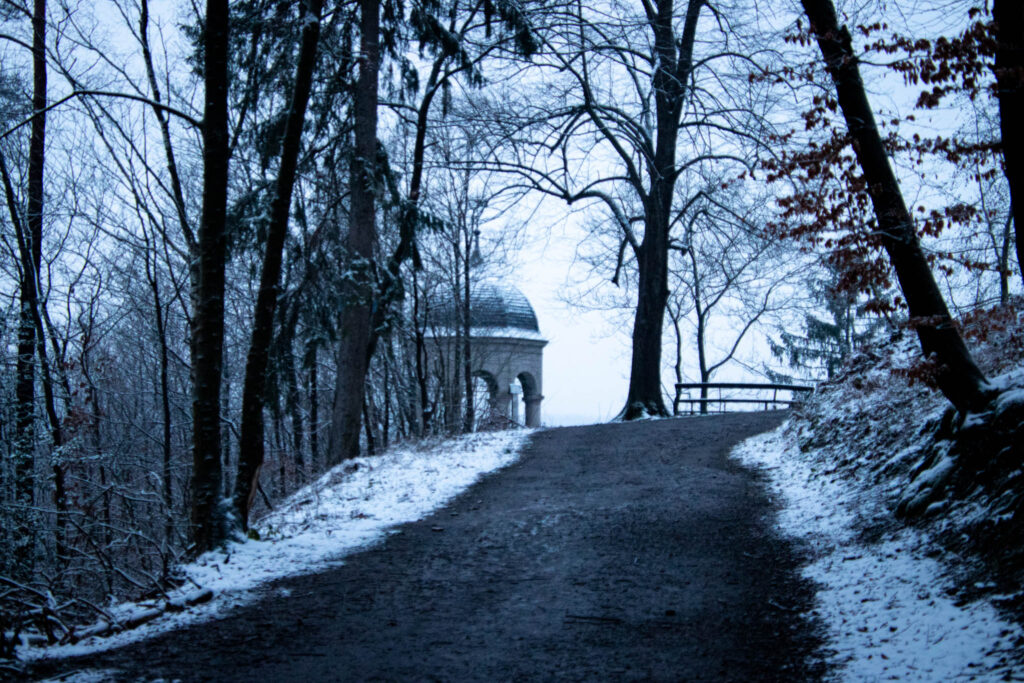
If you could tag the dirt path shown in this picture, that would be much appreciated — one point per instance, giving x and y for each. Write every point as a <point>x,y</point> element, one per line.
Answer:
<point>624,551</point>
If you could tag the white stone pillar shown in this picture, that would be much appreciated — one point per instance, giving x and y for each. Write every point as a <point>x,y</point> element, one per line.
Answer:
<point>533,410</point>
<point>514,391</point>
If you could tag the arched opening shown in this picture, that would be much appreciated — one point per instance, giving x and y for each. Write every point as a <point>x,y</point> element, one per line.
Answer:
<point>531,398</point>
<point>485,390</point>
<point>528,383</point>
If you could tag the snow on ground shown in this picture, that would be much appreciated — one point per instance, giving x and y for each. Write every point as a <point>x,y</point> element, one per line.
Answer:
<point>885,602</point>
<point>347,509</point>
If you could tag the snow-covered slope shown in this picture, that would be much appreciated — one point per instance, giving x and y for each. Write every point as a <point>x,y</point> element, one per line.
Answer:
<point>348,508</point>
<point>871,475</point>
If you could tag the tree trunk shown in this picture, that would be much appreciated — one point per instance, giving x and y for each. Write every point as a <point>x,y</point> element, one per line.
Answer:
<point>355,324</point>
<point>1004,262</point>
<point>165,403</point>
<point>674,61</point>
<point>60,498</point>
<point>279,450</point>
<point>386,426</point>
<point>314,407</point>
<point>294,407</point>
<point>677,366</point>
<point>645,395</point>
<point>420,344</point>
<point>371,441</point>
<point>30,255</point>
<point>250,456</point>
<point>467,341</point>
<point>208,528</point>
<point>24,413</point>
<point>453,385</point>
<point>958,377</point>
<point>702,358</point>
<point>701,313</point>
<point>1009,66</point>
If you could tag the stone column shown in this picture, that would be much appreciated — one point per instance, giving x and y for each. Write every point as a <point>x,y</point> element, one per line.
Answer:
<point>514,392</point>
<point>533,410</point>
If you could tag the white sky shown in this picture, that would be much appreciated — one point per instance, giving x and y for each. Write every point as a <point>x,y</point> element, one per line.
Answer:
<point>586,361</point>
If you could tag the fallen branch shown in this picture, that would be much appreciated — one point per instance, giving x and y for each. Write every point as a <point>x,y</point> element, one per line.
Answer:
<point>105,627</point>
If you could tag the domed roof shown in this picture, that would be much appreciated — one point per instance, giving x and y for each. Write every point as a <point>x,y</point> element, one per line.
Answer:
<point>494,310</point>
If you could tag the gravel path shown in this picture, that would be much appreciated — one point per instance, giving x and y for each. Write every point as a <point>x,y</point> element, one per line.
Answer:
<point>608,552</point>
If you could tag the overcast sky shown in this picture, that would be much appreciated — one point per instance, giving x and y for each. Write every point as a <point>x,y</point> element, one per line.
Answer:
<point>586,361</point>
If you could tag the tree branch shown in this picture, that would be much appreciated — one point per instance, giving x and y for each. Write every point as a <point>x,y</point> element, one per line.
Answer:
<point>101,93</point>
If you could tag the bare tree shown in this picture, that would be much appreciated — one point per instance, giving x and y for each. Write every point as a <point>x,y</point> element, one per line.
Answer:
<point>208,514</point>
<point>621,147</point>
<point>253,398</point>
<point>958,376</point>
<point>464,198</point>
<point>28,228</point>
<point>731,276</point>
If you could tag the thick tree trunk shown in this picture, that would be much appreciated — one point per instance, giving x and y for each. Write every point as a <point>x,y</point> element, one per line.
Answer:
<point>958,377</point>
<point>1009,17</point>
<point>251,446</point>
<point>671,80</point>
<point>645,395</point>
<point>355,325</point>
<point>208,526</point>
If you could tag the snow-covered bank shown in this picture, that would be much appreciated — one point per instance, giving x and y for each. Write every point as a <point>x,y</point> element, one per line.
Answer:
<point>348,508</point>
<point>907,511</point>
<point>886,603</point>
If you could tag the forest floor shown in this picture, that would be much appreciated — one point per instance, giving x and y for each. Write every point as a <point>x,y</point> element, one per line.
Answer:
<point>621,551</point>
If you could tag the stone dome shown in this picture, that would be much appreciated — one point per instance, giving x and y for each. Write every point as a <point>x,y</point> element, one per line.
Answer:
<point>495,310</point>
<point>507,348</point>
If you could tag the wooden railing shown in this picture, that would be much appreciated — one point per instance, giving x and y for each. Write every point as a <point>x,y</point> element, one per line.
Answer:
<point>706,387</point>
